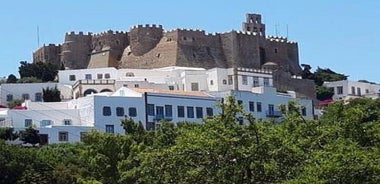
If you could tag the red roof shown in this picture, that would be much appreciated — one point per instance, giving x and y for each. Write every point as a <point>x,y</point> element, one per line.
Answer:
<point>20,108</point>
<point>326,102</point>
<point>3,106</point>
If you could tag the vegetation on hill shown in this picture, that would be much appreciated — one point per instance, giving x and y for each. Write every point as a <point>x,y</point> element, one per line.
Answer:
<point>342,147</point>
<point>320,76</point>
<point>43,71</point>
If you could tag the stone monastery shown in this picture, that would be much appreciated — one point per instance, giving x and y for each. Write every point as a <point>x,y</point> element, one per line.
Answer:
<point>150,46</point>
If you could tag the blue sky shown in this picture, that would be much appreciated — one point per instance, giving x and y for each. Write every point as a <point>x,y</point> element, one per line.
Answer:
<point>343,35</point>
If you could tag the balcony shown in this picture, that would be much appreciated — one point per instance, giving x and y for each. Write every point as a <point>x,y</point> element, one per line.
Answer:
<point>273,114</point>
<point>94,82</point>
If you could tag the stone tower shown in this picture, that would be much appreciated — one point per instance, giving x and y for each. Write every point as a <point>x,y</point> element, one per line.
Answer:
<point>75,50</point>
<point>107,49</point>
<point>253,24</point>
<point>144,38</point>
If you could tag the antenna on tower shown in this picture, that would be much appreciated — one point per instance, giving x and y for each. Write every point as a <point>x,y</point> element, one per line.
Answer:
<point>276,29</point>
<point>287,31</point>
<point>38,36</point>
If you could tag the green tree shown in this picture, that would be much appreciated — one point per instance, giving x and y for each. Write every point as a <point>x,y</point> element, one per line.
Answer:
<point>30,135</point>
<point>11,79</point>
<point>29,80</point>
<point>8,134</point>
<point>102,154</point>
<point>324,93</point>
<point>51,94</point>
<point>43,71</point>
<point>327,75</point>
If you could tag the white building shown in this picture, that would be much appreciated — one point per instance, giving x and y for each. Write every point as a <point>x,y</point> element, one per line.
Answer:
<point>23,91</point>
<point>150,106</point>
<point>57,122</point>
<point>264,102</point>
<point>87,81</point>
<point>345,89</point>
<point>223,79</point>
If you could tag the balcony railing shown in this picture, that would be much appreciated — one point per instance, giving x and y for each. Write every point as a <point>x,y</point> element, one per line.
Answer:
<point>273,114</point>
<point>94,82</point>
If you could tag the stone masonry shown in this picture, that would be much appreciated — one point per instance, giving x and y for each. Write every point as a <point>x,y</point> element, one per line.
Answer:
<point>150,46</point>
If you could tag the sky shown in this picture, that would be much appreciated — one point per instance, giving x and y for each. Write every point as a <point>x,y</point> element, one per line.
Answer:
<point>343,35</point>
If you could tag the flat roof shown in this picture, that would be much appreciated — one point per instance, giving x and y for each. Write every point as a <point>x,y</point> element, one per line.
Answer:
<point>172,92</point>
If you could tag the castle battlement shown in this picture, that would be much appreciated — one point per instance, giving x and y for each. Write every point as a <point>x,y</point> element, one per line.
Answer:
<point>279,39</point>
<point>247,33</point>
<point>196,31</point>
<point>80,33</point>
<point>109,32</point>
<point>147,26</point>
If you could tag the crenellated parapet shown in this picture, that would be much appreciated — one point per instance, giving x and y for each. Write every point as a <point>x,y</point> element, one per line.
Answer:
<point>279,39</point>
<point>143,38</point>
<point>115,40</point>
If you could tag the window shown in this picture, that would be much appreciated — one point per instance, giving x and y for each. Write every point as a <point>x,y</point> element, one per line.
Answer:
<point>244,80</point>
<point>266,81</point>
<point>137,85</point>
<point>194,86</point>
<point>159,112</point>
<point>82,135</point>
<point>63,136</point>
<point>339,90</point>
<point>366,91</point>
<point>110,129</point>
<point>150,109</point>
<point>88,77</point>
<point>168,111</point>
<point>9,98</point>
<point>119,111</point>
<point>359,91</point>
<point>255,81</point>
<point>303,111</point>
<point>270,109</point>
<point>230,80</point>
<point>130,74</point>
<point>275,50</point>
<point>38,97</point>
<point>241,121</point>
<point>251,106</point>
<point>107,76</point>
<point>28,122</point>
<point>224,81</point>
<point>211,82</point>
<point>199,112</point>
<point>132,111</point>
<point>181,111</point>
<point>72,77</point>
<point>190,112</point>
<point>106,111</point>
<point>25,96</point>
<point>67,122</point>
<point>100,76</point>
<point>171,88</point>
<point>258,106</point>
<point>209,111</point>
<point>45,123</point>
<point>353,90</point>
